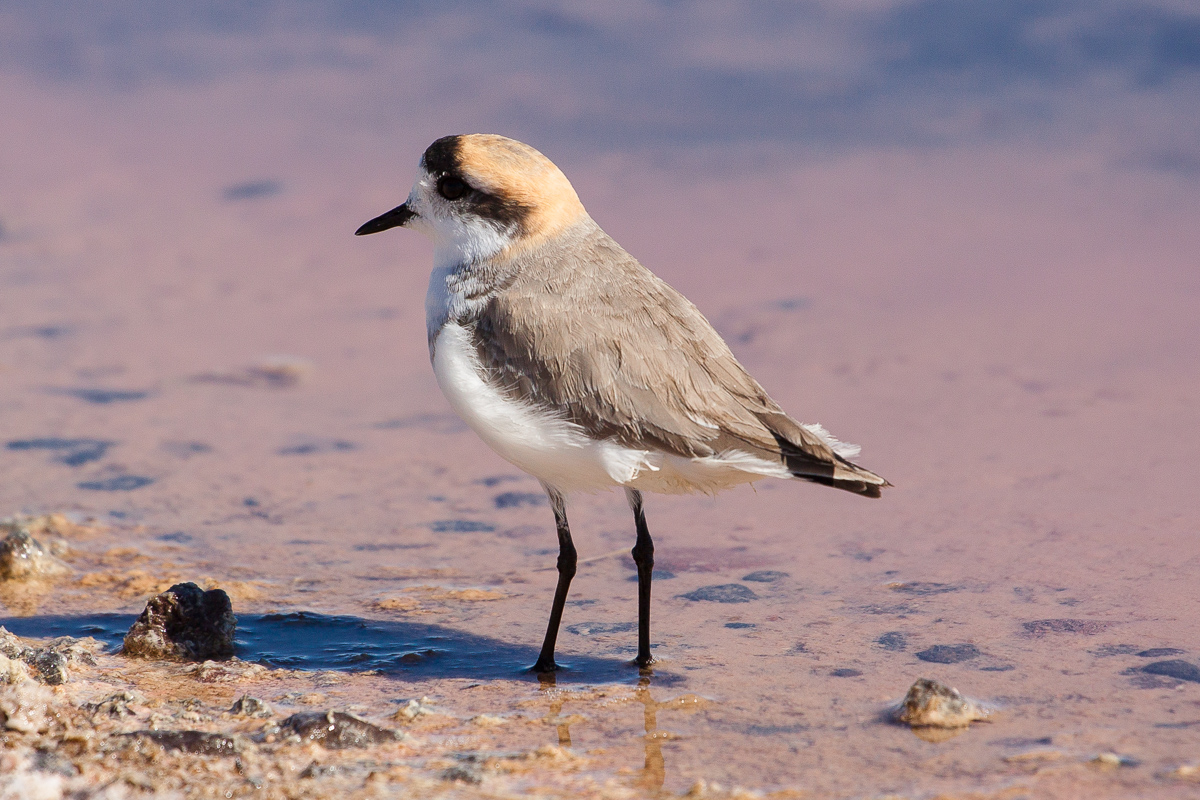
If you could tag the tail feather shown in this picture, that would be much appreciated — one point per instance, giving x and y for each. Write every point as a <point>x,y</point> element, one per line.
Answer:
<point>831,470</point>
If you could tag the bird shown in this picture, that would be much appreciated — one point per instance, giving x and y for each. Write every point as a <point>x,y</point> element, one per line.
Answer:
<point>579,365</point>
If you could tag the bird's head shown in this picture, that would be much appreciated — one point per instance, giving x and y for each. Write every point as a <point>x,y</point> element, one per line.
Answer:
<point>479,195</point>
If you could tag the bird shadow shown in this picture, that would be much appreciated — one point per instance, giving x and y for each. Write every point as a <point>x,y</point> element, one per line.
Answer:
<point>304,640</point>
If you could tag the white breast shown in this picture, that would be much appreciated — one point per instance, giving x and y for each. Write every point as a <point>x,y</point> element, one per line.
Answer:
<point>555,451</point>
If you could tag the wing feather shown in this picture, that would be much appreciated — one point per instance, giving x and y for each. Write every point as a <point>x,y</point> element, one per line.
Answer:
<point>585,330</point>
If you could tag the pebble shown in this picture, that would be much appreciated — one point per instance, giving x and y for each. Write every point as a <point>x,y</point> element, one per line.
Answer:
<point>184,622</point>
<point>413,709</point>
<point>22,557</point>
<point>1113,760</point>
<point>247,706</point>
<point>116,706</point>
<point>932,704</point>
<point>47,664</point>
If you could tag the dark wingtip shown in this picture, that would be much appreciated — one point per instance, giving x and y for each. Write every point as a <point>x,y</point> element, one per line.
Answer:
<point>873,490</point>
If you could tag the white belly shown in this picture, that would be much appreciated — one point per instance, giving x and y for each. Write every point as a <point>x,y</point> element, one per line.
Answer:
<point>558,452</point>
<point>553,450</point>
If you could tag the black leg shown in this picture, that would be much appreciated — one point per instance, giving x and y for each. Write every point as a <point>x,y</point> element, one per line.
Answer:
<point>643,556</point>
<point>566,571</point>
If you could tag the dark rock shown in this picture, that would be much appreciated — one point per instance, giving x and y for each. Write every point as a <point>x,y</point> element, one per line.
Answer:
<point>1175,668</point>
<point>119,483</point>
<point>50,666</point>
<point>336,730</point>
<point>738,625</point>
<point>893,640</point>
<point>1088,627</point>
<point>846,673</point>
<point>460,526</point>
<point>1159,652</point>
<point>198,742</point>
<point>518,499</point>
<point>949,653</point>
<point>722,593</point>
<point>593,628</point>
<point>765,576</point>
<point>184,622</point>
<point>22,557</point>
<point>247,706</point>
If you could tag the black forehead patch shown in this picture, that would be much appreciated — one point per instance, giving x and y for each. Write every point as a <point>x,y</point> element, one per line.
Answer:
<point>442,157</point>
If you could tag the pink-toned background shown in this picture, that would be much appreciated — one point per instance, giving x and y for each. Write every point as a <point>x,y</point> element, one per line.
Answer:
<point>964,237</point>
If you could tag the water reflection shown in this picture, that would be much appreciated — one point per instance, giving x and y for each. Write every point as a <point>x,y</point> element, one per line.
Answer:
<point>654,773</point>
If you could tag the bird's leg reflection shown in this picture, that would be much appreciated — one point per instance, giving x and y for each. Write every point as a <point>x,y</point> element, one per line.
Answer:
<point>654,774</point>
<point>563,723</point>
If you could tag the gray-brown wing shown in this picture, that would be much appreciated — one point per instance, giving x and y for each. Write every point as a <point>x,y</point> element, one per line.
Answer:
<point>586,330</point>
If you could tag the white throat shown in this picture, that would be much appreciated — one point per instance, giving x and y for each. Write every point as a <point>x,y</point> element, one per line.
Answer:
<point>459,244</point>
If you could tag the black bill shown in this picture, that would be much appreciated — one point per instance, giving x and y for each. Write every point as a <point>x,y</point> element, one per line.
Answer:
<point>392,219</point>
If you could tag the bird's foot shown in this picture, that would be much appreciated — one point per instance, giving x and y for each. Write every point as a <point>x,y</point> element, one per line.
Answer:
<point>644,663</point>
<point>545,666</point>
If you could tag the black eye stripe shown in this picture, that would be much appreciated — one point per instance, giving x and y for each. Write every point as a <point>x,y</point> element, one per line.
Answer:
<point>452,187</point>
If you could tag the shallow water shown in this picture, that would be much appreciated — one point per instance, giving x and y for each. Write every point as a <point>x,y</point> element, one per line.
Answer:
<point>977,262</point>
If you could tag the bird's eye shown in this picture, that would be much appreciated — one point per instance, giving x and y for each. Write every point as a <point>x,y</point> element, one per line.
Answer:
<point>452,188</point>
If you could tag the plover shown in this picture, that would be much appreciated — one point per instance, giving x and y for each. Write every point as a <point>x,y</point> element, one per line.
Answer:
<point>579,365</point>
